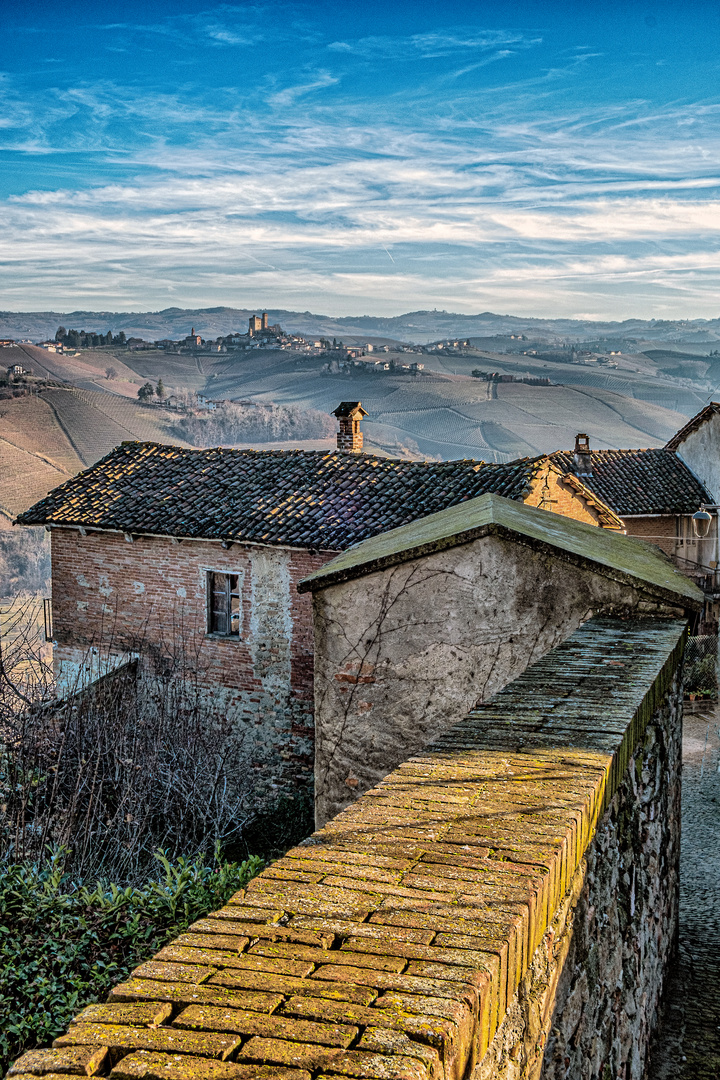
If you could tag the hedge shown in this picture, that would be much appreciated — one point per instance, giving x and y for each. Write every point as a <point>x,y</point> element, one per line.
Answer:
<point>64,944</point>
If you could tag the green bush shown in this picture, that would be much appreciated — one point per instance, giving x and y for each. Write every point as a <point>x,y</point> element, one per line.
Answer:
<point>701,677</point>
<point>64,944</point>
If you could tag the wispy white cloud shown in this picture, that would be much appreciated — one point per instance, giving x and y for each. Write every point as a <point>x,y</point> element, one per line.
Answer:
<point>434,44</point>
<point>448,191</point>
<point>290,94</point>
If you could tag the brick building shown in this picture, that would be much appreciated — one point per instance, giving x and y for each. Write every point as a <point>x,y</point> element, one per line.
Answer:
<point>160,549</point>
<point>656,493</point>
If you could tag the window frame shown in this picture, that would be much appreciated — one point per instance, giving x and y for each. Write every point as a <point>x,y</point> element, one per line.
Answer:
<point>230,593</point>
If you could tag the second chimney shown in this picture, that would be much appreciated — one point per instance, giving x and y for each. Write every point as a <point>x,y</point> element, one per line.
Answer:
<point>350,439</point>
<point>582,458</point>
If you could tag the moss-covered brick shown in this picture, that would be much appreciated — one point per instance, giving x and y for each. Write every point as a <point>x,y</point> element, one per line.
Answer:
<point>432,1030</point>
<point>189,973</point>
<point>311,898</point>
<point>252,962</point>
<point>362,993</point>
<point>145,1065</point>
<point>380,1040</point>
<point>33,1076</point>
<point>465,994</point>
<point>466,956</point>
<point>465,1021</point>
<point>344,1062</point>
<point>347,853</point>
<point>75,1060</point>
<point>204,1018</point>
<point>300,875</point>
<point>186,994</point>
<point>319,956</point>
<point>148,1014</point>
<point>267,931</point>
<point>120,1038</point>
<point>347,868</point>
<point>262,914</point>
<point>418,895</point>
<point>344,929</point>
<point>229,942</point>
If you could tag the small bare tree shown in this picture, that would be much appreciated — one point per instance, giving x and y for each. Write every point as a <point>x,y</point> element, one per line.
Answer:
<point>138,761</point>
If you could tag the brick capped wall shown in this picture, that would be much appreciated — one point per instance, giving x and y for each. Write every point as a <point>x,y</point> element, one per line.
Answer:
<point>501,907</point>
<point>149,596</point>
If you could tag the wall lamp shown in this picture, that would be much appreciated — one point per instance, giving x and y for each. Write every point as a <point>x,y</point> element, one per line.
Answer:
<point>701,521</point>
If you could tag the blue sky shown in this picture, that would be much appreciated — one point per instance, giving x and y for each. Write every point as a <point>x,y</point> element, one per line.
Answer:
<point>348,158</point>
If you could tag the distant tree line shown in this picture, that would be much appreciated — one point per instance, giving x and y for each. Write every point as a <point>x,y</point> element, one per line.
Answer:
<point>229,424</point>
<point>81,339</point>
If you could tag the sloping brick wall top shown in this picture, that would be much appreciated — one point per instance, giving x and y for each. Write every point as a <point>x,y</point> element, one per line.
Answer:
<point>388,945</point>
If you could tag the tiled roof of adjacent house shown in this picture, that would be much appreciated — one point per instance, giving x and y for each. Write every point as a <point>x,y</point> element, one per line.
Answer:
<point>640,481</point>
<point>696,422</point>
<point>299,498</point>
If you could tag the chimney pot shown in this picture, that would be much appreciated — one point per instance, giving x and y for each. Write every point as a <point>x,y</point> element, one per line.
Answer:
<point>350,438</point>
<point>582,457</point>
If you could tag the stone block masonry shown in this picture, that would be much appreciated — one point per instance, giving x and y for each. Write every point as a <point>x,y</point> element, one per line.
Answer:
<point>502,905</point>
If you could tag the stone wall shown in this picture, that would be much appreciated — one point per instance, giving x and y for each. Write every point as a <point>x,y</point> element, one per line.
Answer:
<point>502,905</point>
<point>149,597</point>
<point>401,653</point>
<point>590,999</point>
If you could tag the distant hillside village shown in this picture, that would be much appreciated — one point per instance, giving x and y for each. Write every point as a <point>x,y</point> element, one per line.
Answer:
<point>342,357</point>
<point>260,334</point>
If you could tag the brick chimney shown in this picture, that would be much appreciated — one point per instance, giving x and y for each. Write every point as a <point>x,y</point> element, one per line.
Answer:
<point>350,439</point>
<point>582,458</point>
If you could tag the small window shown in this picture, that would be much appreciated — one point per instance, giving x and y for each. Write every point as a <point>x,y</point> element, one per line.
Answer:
<point>223,604</point>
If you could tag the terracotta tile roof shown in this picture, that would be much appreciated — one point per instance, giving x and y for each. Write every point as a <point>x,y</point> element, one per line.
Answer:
<point>640,481</point>
<point>299,498</point>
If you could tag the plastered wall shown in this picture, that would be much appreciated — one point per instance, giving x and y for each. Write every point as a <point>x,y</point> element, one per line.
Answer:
<point>701,453</point>
<point>400,653</point>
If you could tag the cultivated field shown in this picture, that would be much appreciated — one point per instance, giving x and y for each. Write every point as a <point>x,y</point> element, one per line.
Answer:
<point>443,413</point>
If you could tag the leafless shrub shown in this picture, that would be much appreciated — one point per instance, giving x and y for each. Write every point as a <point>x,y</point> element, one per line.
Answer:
<point>136,762</point>
<point>24,561</point>
<point>230,424</point>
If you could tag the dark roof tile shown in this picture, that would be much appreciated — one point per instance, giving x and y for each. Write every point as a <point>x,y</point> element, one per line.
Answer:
<point>640,481</point>
<point>297,498</point>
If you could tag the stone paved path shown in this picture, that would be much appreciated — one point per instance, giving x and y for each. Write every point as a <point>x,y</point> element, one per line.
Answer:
<point>688,1044</point>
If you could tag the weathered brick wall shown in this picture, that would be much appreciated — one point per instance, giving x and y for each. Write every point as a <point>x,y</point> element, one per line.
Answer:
<point>516,877</point>
<point>589,1001</point>
<point>657,530</point>
<point>549,491</point>
<point>149,596</point>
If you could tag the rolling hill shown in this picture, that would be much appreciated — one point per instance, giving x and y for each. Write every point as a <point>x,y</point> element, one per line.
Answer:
<point>414,326</point>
